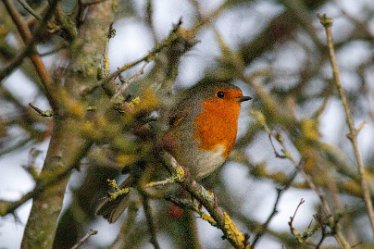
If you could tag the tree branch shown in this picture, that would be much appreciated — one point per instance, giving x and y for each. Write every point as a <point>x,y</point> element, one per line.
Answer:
<point>150,221</point>
<point>44,181</point>
<point>30,41</point>
<point>280,192</point>
<point>68,145</point>
<point>28,8</point>
<point>353,131</point>
<point>207,199</point>
<point>84,239</point>
<point>176,33</point>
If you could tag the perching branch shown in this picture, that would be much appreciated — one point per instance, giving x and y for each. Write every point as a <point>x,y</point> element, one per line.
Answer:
<point>207,199</point>
<point>353,131</point>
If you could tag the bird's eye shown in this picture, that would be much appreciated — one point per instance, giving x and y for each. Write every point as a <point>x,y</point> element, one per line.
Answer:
<point>220,94</point>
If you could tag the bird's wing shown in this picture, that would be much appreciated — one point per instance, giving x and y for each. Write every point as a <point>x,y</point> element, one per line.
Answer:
<point>179,115</point>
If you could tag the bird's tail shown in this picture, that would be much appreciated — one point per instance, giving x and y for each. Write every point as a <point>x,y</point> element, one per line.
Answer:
<point>112,209</point>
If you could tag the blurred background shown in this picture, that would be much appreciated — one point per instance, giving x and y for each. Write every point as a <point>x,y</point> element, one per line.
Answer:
<point>276,52</point>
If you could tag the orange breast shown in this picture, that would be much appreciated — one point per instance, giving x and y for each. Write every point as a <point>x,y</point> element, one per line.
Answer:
<point>217,124</point>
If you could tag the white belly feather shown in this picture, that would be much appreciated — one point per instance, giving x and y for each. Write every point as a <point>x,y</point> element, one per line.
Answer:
<point>208,161</point>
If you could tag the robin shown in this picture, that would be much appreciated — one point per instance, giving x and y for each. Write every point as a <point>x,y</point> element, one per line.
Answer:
<point>202,133</point>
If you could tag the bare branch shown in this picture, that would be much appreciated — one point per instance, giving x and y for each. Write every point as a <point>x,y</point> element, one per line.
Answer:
<point>84,239</point>
<point>280,192</point>
<point>150,222</point>
<point>27,7</point>
<point>30,41</point>
<point>47,113</point>
<point>121,89</point>
<point>7,207</point>
<point>176,33</point>
<point>353,131</point>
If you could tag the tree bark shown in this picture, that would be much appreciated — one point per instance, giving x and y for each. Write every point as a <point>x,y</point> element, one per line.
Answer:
<point>67,145</point>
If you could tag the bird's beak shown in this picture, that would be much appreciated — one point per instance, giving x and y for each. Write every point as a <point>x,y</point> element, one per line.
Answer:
<point>244,98</point>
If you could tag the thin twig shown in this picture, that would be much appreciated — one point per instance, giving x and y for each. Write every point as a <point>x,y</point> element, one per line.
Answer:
<point>339,236</point>
<point>115,74</point>
<point>150,222</point>
<point>173,36</point>
<point>88,3</point>
<point>280,192</point>
<point>277,154</point>
<point>301,238</point>
<point>149,20</point>
<point>7,207</point>
<point>47,113</point>
<point>353,131</point>
<point>18,20</point>
<point>292,218</point>
<point>54,50</point>
<point>28,8</point>
<point>30,41</point>
<point>20,144</point>
<point>324,235</point>
<point>84,239</point>
<point>121,89</point>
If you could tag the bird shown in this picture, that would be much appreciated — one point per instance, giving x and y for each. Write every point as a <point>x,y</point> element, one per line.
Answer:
<point>202,131</point>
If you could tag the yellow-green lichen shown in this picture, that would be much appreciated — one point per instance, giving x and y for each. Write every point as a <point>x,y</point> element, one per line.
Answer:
<point>233,233</point>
